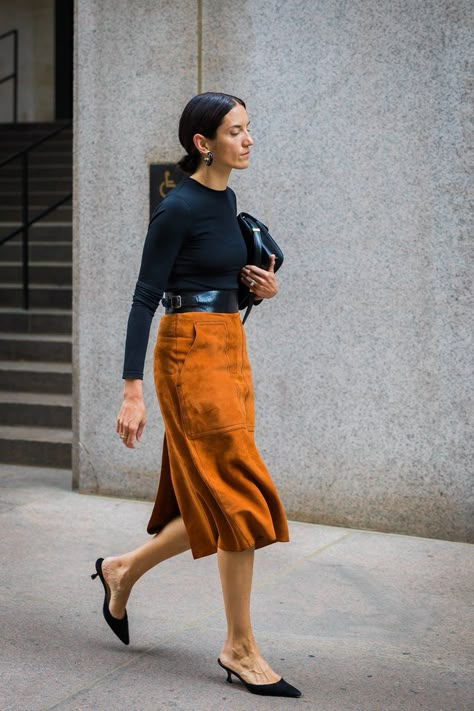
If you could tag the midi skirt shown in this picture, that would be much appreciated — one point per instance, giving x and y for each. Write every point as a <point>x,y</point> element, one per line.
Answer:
<point>211,472</point>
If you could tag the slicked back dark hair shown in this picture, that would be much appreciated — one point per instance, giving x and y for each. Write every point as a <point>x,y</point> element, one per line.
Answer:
<point>202,114</point>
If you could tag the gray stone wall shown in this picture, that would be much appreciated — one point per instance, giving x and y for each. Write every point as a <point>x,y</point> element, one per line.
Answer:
<point>363,362</point>
<point>135,67</point>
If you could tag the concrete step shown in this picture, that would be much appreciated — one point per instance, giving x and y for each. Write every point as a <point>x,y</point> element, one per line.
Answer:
<point>39,272</point>
<point>36,157</point>
<point>28,409</point>
<point>35,377</point>
<point>21,141</point>
<point>41,296</point>
<point>16,130</point>
<point>32,129</point>
<point>13,196</point>
<point>34,347</point>
<point>12,213</point>
<point>41,127</point>
<point>52,170</point>
<point>38,321</point>
<point>54,147</point>
<point>43,231</point>
<point>17,143</point>
<point>12,144</point>
<point>36,446</point>
<point>12,251</point>
<point>14,182</point>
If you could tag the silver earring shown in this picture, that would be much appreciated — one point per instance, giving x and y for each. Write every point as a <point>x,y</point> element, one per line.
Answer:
<point>209,158</point>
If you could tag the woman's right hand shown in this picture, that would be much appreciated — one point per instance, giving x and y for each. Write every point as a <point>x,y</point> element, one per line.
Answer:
<point>131,418</point>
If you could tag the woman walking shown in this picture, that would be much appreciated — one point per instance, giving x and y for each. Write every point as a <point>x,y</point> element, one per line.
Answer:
<point>215,494</point>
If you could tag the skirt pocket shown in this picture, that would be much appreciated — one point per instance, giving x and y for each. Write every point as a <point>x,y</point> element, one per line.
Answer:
<point>209,397</point>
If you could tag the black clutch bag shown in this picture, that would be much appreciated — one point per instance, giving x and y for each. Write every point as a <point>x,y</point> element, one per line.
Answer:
<point>260,246</point>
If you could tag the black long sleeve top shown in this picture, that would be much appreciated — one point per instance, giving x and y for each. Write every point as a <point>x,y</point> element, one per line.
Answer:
<point>193,242</point>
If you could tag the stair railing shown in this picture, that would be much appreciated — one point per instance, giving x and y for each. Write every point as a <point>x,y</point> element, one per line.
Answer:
<point>26,222</point>
<point>14,75</point>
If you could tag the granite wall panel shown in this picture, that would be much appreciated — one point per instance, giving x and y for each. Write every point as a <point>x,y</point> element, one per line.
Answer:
<point>361,167</point>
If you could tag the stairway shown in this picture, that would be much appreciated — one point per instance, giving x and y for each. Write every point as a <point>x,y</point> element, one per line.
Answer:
<point>36,345</point>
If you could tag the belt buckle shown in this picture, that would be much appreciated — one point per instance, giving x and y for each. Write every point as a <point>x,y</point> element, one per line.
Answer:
<point>176,305</point>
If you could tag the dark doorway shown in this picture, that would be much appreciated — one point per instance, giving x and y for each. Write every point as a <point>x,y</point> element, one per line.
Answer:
<point>64,35</point>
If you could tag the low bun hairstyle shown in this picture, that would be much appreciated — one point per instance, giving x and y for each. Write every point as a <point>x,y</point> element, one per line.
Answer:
<point>202,114</point>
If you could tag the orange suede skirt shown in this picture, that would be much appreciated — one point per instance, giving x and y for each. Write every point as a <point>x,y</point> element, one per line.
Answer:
<point>211,472</point>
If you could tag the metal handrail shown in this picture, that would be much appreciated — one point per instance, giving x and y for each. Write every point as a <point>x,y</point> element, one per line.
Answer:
<point>35,143</point>
<point>26,222</point>
<point>14,74</point>
<point>42,214</point>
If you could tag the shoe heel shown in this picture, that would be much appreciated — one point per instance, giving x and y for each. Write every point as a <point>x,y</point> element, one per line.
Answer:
<point>229,675</point>
<point>94,576</point>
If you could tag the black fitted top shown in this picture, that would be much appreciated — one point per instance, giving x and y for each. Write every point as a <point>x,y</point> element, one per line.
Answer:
<point>193,242</point>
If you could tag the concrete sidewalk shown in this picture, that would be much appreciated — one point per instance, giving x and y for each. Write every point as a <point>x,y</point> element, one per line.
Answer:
<point>359,621</point>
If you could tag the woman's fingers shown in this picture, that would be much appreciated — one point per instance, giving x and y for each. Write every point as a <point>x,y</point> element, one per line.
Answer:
<point>131,421</point>
<point>129,435</point>
<point>251,279</point>
<point>257,274</point>
<point>261,282</point>
<point>271,266</point>
<point>140,430</point>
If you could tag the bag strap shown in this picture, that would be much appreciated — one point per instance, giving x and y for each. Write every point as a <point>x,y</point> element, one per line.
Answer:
<point>257,250</point>
<point>249,307</point>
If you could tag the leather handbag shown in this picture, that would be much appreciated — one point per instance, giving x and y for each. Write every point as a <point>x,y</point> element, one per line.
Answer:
<point>260,246</point>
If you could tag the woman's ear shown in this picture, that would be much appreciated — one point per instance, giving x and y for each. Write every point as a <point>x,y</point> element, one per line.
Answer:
<point>200,142</point>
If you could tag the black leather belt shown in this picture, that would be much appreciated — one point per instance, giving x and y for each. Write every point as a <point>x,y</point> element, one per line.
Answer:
<point>223,300</point>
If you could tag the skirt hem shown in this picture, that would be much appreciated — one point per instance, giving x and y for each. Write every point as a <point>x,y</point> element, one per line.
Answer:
<point>257,544</point>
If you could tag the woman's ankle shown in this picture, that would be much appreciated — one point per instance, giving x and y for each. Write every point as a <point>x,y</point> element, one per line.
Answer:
<point>123,570</point>
<point>240,648</point>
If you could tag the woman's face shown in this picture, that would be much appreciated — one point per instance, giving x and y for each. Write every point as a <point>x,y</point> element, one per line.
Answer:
<point>231,145</point>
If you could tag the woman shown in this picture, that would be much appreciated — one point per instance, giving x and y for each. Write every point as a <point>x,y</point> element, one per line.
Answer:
<point>215,494</point>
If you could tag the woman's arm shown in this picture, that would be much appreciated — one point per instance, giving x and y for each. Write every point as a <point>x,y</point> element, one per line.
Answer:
<point>166,233</point>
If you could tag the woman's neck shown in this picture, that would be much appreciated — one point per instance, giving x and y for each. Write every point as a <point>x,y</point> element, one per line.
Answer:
<point>211,178</point>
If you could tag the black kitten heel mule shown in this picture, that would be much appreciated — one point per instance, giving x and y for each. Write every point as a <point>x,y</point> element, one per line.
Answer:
<point>279,688</point>
<point>120,627</point>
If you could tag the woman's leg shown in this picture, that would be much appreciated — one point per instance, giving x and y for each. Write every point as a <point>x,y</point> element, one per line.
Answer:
<point>122,572</point>
<point>240,651</point>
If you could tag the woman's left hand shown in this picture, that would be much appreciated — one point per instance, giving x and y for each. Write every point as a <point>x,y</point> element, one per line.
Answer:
<point>264,282</point>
